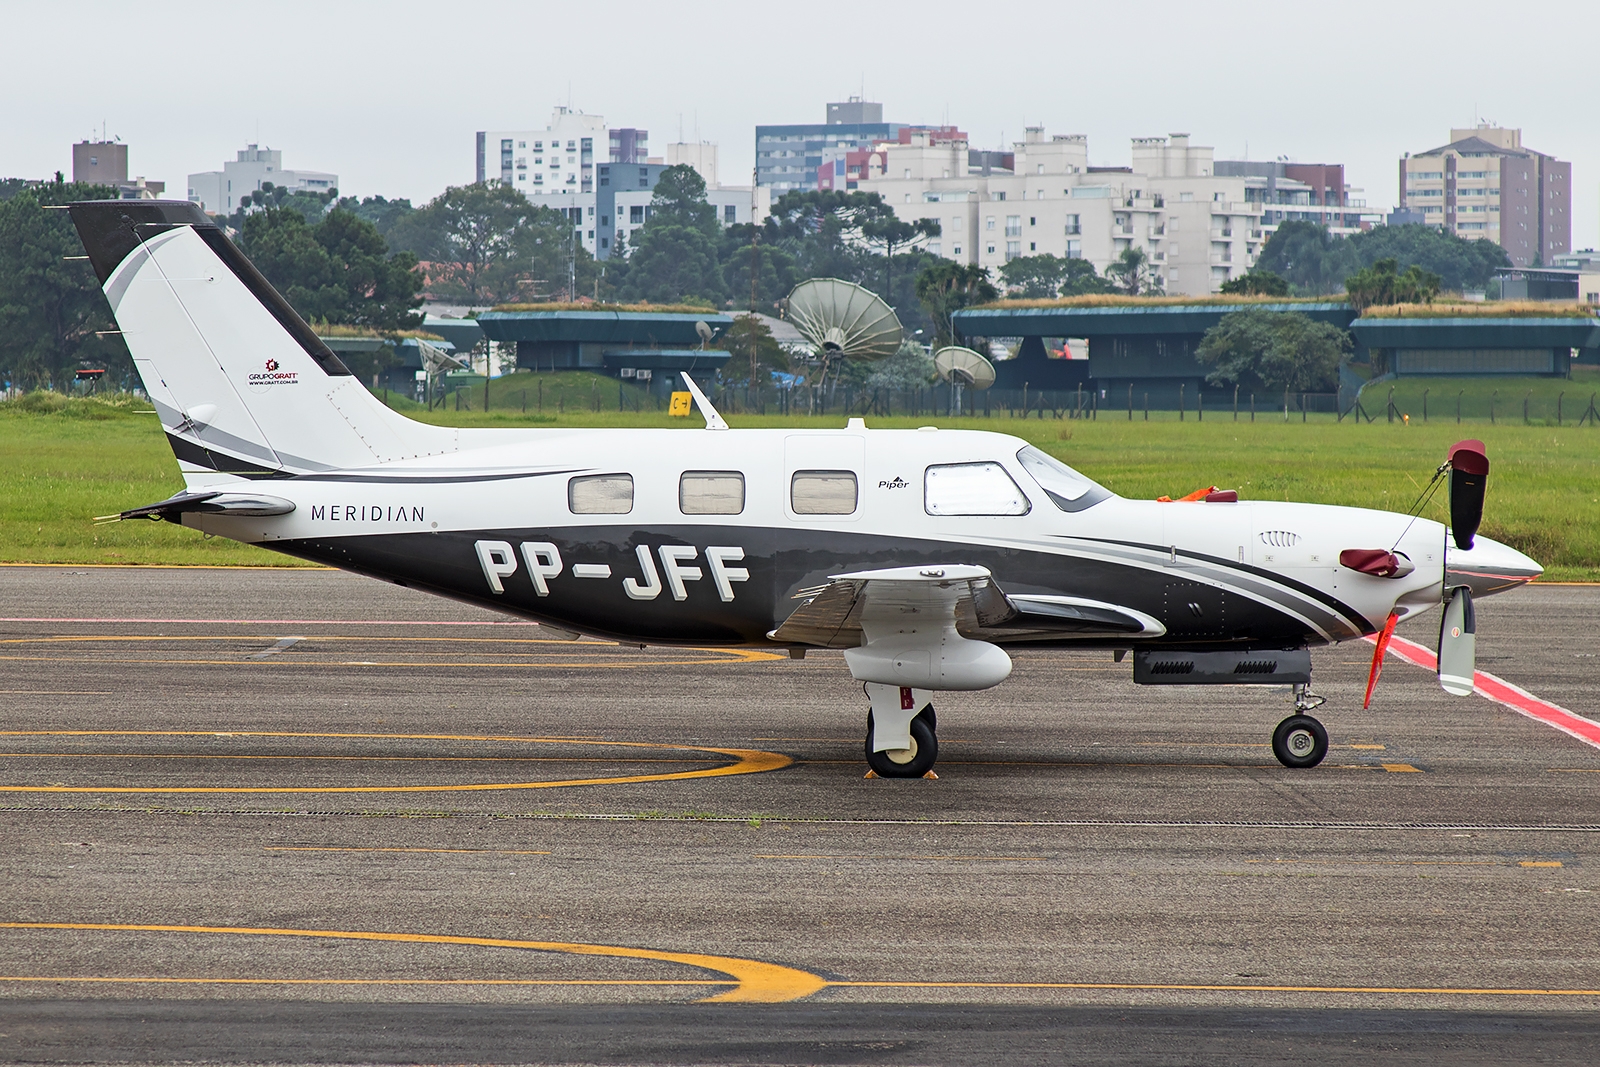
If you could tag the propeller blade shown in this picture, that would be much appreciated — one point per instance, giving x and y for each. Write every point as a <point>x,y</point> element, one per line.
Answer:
<point>1469,477</point>
<point>1458,640</point>
<point>1377,657</point>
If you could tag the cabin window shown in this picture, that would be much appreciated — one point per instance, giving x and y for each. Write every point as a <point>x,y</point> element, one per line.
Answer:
<point>600,494</point>
<point>711,493</point>
<point>1066,488</point>
<point>971,489</point>
<point>823,493</point>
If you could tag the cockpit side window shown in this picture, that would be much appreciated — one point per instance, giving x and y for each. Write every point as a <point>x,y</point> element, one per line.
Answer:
<point>971,489</point>
<point>1066,488</point>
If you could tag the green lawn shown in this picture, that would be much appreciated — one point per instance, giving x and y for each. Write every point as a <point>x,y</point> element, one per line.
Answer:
<point>63,467</point>
<point>1550,400</point>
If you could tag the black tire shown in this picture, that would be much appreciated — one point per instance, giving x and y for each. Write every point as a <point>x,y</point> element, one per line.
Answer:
<point>924,752</point>
<point>1300,741</point>
<point>931,717</point>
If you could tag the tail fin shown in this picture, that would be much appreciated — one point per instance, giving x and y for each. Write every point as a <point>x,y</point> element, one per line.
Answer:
<point>243,387</point>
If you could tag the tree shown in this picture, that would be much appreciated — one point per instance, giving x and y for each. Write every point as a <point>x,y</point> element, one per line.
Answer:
<point>1034,277</point>
<point>884,229</point>
<point>310,205</point>
<point>486,244</point>
<point>338,271</point>
<point>384,214</point>
<point>775,269</point>
<point>1274,350</point>
<point>675,253</point>
<point>754,350</point>
<point>1256,283</point>
<point>53,315</point>
<point>909,368</point>
<point>1314,262</point>
<point>1382,283</point>
<point>1079,278</point>
<point>946,287</point>
<point>1131,272</point>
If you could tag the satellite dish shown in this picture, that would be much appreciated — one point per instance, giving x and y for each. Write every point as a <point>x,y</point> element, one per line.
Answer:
<point>843,319</point>
<point>704,330</point>
<point>964,367</point>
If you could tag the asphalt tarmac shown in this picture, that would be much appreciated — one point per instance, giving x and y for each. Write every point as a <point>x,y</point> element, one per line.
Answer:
<point>300,816</point>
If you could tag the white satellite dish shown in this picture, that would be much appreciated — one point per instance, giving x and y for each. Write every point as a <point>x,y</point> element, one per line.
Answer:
<point>842,319</point>
<point>963,369</point>
<point>704,330</point>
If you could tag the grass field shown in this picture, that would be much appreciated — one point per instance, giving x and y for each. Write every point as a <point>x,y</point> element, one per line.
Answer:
<point>68,462</point>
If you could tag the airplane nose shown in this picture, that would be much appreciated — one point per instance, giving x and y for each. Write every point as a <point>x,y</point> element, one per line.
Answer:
<point>1489,567</point>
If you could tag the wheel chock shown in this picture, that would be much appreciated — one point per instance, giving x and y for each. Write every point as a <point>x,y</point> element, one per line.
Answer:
<point>870,774</point>
<point>930,776</point>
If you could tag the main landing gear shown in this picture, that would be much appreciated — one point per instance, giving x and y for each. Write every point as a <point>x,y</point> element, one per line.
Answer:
<point>1300,740</point>
<point>907,743</point>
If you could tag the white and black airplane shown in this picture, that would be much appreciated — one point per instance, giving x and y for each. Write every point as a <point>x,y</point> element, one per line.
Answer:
<point>922,554</point>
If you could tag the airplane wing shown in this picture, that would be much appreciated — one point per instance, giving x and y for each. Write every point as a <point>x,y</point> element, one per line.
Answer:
<point>829,615</point>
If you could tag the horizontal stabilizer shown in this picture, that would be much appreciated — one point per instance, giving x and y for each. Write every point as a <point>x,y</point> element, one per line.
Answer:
<point>247,505</point>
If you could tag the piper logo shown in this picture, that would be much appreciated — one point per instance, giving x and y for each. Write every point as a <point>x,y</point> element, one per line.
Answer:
<point>896,482</point>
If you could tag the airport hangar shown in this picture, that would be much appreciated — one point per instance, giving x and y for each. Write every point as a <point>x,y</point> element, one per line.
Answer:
<point>647,346</point>
<point>1148,352</point>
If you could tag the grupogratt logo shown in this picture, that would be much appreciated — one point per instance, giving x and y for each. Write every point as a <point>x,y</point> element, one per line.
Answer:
<point>273,376</point>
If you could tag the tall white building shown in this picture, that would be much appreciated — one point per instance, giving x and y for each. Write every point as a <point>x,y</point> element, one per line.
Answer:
<point>1198,228</point>
<point>701,155</point>
<point>561,158</point>
<point>218,192</point>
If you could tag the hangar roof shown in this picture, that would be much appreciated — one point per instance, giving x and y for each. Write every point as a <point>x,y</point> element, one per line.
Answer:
<point>651,328</point>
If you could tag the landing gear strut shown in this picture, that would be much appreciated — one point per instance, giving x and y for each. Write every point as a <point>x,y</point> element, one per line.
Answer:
<point>1300,740</point>
<point>913,762</point>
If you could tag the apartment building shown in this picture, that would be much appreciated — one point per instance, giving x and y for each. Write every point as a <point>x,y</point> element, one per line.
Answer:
<point>561,158</point>
<point>788,157</point>
<point>106,163</point>
<point>609,216</point>
<point>1485,185</point>
<point>1198,228</point>
<point>218,192</point>
<point>1302,192</point>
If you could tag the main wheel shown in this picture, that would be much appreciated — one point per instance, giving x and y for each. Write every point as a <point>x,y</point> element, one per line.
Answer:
<point>1300,741</point>
<point>913,762</point>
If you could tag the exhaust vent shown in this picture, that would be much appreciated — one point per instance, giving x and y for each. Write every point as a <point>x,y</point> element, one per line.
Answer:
<point>1279,538</point>
<point>1245,667</point>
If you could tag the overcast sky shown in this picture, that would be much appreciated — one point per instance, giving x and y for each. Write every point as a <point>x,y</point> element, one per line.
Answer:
<point>389,95</point>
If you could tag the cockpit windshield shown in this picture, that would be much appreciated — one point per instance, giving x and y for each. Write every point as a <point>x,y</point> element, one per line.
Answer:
<point>1066,488</point>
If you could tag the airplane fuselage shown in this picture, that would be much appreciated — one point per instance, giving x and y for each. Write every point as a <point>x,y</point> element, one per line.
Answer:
<point>1246,574</point>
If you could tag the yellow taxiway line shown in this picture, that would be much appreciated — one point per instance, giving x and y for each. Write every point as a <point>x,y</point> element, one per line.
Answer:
<point>746,761</point>
<point>753,981</point>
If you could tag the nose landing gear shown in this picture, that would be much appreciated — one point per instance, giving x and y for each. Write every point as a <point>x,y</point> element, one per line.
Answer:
<point>1300,740</point>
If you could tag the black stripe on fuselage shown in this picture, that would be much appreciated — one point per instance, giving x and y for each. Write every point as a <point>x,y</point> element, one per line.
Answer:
<point>191,452</point>
<point>780,562</point>
<point>1326,599</point>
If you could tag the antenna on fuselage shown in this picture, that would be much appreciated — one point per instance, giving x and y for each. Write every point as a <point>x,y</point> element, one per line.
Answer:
<point>714,421</point>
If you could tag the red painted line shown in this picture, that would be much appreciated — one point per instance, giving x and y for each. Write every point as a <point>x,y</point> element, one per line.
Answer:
<point>279,622</point>
<point>1503,692</point>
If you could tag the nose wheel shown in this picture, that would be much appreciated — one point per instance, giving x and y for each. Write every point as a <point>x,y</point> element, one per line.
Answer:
<point>913,762</point>
<point>1300,741</point>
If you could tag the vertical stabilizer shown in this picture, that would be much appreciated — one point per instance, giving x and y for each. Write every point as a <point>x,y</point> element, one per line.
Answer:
<point>243,387</point>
